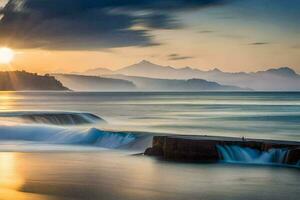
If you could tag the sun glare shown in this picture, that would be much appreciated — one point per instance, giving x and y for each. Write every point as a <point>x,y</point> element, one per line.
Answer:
<point>6,55</point>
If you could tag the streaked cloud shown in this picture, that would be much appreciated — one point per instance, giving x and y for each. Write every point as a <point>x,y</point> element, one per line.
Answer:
<point>296,46</point>
<point>206,31</point>
<point>259,43</point>
<point>176,56</point>
<point>89,24</point>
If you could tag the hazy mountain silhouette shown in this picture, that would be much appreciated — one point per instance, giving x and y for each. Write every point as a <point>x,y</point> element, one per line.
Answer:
<point>131,83</point>
<point>283,78</point>
<point>144,68</point>
<point>98,71</point>
<point>21,80</point>
<point>94,83</point>
<point>154,84</point>
<point>283,71</point>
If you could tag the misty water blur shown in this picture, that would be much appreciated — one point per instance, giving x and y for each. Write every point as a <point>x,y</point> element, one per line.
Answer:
<point>272,115</point>
<point>73,155</point>
<point>114,175</point>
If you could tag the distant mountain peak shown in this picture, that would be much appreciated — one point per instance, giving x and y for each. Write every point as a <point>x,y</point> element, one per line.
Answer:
<point>98,71</point>
<point>216,70</point>
<point>286,71</point>
<point>145,62</point>
<point>99,68</point>
<point>143,67</point>
<point>150,64</point>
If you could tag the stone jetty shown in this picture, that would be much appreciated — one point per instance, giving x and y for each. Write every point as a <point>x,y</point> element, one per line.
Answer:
<point>204,148</point>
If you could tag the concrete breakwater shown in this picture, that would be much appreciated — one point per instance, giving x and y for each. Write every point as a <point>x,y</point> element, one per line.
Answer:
<point>212,149</point>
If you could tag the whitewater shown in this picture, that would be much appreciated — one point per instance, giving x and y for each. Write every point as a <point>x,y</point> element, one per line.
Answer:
<point>36,131</point>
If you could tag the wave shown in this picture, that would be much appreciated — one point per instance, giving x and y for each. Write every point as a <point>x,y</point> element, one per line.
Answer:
<point>74,136</point>
<point>252,156</point>
<point>55,118</point>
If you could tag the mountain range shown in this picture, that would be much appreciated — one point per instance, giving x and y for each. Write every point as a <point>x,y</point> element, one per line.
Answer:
<point>134,83</point>
<point>279,79</point>
<point>156,84</point>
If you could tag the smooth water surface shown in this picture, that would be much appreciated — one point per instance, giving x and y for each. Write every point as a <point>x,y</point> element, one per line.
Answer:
<point>114,175</point>
<point>272,115</point>
<point>71,154</point>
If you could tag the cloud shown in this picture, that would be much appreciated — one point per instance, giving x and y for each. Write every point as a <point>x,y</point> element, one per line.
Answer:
<point>175,56</point>
<point>206,31</point>
<point>159,21</point>
<point>222,35</point>
<point>259,43</point>
<point>89,24</point>
<point>296,46</point>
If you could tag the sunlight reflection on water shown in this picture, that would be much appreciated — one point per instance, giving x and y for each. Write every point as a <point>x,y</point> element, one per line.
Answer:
<point>114,175</point>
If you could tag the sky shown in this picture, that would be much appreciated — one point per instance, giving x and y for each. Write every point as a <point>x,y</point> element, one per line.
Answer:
<point>76,35</point>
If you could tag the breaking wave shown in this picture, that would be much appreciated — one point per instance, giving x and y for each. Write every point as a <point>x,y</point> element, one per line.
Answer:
<point>74,136</point>
<point>55,118</point>
<point>48,128</point>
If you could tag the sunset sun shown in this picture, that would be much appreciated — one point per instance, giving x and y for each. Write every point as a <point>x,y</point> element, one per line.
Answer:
<point>6,55</point>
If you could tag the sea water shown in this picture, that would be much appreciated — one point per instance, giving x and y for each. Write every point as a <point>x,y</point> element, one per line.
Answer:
<point>268,115</point>
<point>112,120</point>
<point>53,147</point>
<point>113,175</point>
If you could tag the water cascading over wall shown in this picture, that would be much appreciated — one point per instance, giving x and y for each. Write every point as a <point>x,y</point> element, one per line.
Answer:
<point>248,155</point>
<point>213,149</point>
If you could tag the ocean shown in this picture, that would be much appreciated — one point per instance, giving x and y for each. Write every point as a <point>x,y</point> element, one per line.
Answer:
<point>268,115</point>
<point>84,145</point>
